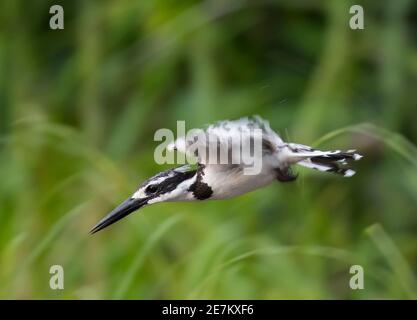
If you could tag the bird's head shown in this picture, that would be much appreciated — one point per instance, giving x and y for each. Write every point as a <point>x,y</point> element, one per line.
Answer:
<point>171,185</point>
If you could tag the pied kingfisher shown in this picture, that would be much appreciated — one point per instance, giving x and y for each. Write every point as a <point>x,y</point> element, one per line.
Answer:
<point>220,181</point>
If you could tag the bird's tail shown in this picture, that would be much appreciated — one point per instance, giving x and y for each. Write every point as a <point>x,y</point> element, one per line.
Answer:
<point>329,161</point>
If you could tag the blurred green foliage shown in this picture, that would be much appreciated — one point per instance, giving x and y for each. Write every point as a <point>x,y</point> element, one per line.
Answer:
<point>79,107</point>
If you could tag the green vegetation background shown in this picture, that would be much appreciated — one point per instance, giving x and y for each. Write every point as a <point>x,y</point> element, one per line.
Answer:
<point>79,107</point>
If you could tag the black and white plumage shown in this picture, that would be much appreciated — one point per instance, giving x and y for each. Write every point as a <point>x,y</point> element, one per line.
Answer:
<point>209,180</point>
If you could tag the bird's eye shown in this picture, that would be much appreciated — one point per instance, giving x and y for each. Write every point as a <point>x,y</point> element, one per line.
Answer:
<point>152,188</point>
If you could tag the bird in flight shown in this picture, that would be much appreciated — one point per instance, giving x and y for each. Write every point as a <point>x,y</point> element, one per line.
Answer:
<point>213,180</point>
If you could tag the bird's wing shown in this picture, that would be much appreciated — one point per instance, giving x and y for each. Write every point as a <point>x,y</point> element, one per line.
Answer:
<point>228,135</point>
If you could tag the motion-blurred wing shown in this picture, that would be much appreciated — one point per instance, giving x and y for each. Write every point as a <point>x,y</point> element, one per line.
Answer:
<point>229,135</point>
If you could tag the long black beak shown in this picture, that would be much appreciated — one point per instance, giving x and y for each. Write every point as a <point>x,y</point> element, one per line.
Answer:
<point>118,213</point>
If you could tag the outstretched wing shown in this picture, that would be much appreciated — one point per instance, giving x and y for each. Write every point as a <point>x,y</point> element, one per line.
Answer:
<point>227,136</point>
